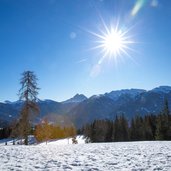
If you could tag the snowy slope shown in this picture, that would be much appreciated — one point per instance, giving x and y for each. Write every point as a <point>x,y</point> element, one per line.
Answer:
<point>101,156</point>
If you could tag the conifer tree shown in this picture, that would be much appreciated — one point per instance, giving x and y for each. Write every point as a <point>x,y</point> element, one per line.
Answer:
<point>148,134</point>
<point>132,130</point>
<point>124,129</point>
<point>115,136</point>
<point>109,131</point>
<point>159,129</point>
<point>139,128</point>
<point>163,130</point>
<point>28,94</point>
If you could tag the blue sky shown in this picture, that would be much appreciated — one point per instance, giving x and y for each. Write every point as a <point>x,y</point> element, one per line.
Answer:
<point>54,39</point>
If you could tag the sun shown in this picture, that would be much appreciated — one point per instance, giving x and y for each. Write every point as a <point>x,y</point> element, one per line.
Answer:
<point>113,42</point>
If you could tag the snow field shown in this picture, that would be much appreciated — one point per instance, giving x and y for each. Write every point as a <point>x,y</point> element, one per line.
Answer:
<point>87,157</point>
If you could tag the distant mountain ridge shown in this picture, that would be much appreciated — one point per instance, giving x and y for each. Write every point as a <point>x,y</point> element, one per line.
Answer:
<point>114,95</point>
<point>80,109</point>
<point>162,89</point>
<point>76,99</point>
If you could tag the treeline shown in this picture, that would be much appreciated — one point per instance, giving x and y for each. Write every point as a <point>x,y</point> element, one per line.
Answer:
<point>5,132</point>
<point>46,131</point>
<point>43,131</point>
<point>149,127</point>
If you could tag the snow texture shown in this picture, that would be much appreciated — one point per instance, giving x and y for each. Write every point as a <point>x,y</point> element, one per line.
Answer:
<point>87,157</point>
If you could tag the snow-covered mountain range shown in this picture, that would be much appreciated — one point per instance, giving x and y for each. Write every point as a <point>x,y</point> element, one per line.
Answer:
<point>80,109</point>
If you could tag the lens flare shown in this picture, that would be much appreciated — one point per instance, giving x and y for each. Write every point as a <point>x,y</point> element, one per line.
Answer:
<point>138,5</point>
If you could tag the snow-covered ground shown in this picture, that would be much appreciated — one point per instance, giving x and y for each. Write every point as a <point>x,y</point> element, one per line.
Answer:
<point>58,156</point>
<point>32,141</point>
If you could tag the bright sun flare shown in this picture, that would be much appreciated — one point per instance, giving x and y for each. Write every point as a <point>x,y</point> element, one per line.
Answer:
<point>113,42</point>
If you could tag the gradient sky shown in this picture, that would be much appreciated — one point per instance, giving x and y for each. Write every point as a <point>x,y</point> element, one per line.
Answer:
<point>53,39</point>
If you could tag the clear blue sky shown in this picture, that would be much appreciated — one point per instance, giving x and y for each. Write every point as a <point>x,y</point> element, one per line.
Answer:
<point>53,39</point>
